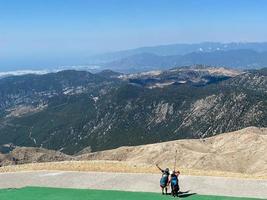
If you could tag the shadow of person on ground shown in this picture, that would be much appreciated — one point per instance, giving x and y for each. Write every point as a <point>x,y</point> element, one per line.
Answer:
<point>185,194</point>
<point>169,193</point>
<point>180,192</point>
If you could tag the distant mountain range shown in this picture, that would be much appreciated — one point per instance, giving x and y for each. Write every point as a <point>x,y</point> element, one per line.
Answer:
<point>240,59</point>
<point>234,55</point>
<point>182,49</point>
<point>71,110</point>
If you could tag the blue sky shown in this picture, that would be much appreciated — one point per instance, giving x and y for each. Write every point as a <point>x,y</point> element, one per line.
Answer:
<point>60,32</point>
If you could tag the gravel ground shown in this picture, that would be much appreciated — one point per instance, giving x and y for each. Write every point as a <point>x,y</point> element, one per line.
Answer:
<point>134,182</point>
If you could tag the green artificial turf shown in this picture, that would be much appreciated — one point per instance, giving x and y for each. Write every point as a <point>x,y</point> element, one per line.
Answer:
<point>39,193</point>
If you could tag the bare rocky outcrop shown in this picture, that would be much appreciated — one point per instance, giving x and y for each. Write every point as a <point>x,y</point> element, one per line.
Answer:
<point>22,155</point>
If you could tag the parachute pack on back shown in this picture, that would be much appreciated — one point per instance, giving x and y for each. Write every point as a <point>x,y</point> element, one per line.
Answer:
<point>174,180</point>
<point>164,180</point>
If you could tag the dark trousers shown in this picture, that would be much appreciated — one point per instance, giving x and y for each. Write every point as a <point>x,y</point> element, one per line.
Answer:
<point>175,190</point>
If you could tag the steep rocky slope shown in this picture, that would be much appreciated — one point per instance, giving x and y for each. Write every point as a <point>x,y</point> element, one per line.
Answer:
<point>243,151</point>
<point>71,110</point>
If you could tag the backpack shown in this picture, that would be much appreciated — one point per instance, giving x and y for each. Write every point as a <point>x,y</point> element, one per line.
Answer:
<point>164,180</point>
<point>174,180</point>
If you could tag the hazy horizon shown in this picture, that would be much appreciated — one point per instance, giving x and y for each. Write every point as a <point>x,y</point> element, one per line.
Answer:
<point>76,64</point>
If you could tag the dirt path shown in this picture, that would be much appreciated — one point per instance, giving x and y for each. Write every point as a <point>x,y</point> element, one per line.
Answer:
<point>134,182</point>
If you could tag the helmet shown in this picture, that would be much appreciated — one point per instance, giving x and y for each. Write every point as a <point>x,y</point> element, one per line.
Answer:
<point>167,170</point>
